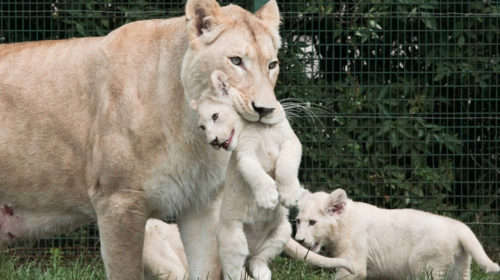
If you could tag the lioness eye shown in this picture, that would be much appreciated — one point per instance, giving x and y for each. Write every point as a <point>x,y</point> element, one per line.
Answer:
<point>215,116</point>
<point>236,60</point>
<point>202,127</point>
<point>273,64</point>
<point>312,222</point>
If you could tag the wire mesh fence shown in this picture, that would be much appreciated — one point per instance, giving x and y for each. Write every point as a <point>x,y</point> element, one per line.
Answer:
<point>400,99</point>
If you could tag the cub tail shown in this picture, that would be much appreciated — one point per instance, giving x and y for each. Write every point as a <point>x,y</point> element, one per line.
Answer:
<point>295,250</point>
<point>472,246</point>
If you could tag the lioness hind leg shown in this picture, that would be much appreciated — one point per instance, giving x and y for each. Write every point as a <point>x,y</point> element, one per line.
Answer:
<point>233,249</point>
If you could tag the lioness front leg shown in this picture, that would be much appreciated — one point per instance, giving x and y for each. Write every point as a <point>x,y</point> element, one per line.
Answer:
<point>262,185</point>
<point>287,168</point>
<point>198,233</point>
<point>233,249</point>
<point>121,218</point>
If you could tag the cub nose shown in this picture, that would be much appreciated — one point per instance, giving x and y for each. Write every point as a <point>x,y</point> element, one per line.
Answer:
<point>215,142</point>
<point>263,111</point>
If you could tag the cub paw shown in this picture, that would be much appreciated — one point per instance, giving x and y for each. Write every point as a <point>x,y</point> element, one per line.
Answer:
<point>267,197</point>
<point>289,198</point>
<point>290,195</point>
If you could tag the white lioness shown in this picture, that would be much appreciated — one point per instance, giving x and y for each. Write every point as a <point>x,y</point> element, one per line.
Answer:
<point>100,129</point>
<point>388,244</point>
<point>263,169</point>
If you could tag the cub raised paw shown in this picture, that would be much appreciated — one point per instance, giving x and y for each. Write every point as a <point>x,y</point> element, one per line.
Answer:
<point>267,196</point>
<point>289,195</point>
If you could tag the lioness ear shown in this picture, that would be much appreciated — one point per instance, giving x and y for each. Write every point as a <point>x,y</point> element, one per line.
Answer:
<point>336,202</point>
<point>194,104</point>
<point>270,14</point>
<point>220,82</point>
<point>204,21</point>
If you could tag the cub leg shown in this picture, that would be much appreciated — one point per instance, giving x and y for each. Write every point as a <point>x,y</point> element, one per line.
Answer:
<point>269,249</point>
<point>262,185</point>
<point>121,218</point>
<point>287,169</point>
<point>359,266</point>
<point>233,249</point>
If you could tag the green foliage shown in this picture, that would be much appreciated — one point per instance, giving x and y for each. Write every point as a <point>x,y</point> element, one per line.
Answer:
<point>400,85</point>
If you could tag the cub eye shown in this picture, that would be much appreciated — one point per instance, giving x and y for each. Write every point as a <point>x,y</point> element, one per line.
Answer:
<point>236,60</point>
<point>215,116</point>
<point>272,65</point>
<point>298,221</point>
<point>202,127</point>
<point>312,222</point>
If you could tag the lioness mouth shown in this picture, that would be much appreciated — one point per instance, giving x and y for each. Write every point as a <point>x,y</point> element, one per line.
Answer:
<point>226,143</point>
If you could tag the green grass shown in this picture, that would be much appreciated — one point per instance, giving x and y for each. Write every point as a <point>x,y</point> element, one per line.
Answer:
<point>286,268</point>
<point>59,268</point>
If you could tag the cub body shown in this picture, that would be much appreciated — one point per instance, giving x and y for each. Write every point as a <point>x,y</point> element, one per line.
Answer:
<point>388,244</point>
<point>262,171</point>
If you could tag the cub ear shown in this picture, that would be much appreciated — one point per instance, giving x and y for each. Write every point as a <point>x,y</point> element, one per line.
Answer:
<point>204,21</point>
<point>194,104</point>
<point>220,83</point>
<point>336,202</point>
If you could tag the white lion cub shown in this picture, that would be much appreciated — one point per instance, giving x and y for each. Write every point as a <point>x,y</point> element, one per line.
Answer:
<point>262,170</point>
<point>388,244</point>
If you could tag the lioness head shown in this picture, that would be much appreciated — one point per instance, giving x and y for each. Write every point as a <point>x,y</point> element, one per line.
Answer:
<point>217,117</point>
<point>320,217</point>
<point>242,45</point>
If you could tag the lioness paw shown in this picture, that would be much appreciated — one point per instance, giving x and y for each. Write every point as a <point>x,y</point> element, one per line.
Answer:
<point>267,198</point>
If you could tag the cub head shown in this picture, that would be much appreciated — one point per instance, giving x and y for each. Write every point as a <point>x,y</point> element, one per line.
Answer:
<point>216,115</point>
<point>242,45</point>
<point>320,218</point>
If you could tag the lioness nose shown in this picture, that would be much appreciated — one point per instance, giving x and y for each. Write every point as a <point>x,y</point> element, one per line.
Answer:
<point>263,111</point>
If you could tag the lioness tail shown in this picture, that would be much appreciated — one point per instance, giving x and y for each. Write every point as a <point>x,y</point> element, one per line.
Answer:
<point>472,246</point>
<point>295,250</point>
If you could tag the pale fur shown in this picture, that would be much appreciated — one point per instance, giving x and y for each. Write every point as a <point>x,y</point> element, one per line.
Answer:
<point>99,129</point>
<point>163,254</point>
<point>262,175</point>
<point>388,244</point>
<point>164,257</point>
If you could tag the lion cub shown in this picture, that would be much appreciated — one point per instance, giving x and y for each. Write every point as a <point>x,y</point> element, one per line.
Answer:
<point>262,171</point>
<point>388,244</point>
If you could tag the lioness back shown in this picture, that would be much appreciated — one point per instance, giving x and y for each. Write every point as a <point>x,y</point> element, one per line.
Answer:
<point>60,101</point>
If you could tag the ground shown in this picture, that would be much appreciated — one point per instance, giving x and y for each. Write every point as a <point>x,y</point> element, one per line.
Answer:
<point>60,268</point>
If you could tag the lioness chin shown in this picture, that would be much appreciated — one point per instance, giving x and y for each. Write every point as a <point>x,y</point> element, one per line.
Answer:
<point>99,129</point>
<point>388,244</point>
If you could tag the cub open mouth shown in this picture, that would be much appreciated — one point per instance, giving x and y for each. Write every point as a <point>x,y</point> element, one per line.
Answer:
<point>226,143</point>
<point>315,247</point>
